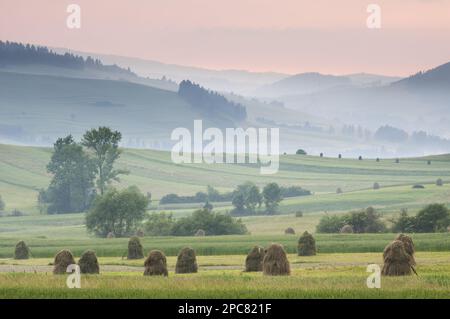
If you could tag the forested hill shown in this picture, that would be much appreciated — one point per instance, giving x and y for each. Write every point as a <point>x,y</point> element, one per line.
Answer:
<point>210,103</point>
<point>13,53</point>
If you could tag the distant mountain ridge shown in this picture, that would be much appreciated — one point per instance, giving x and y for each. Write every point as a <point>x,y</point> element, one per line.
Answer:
<point>437,78</point>
<point>312,82</point>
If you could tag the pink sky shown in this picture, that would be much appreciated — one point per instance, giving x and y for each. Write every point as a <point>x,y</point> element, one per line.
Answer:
<point>289,36</point>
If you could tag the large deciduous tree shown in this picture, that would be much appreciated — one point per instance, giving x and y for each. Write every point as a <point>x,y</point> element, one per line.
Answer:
<point>71,189</point>
<point>272,197</point>
<point>103,143</point>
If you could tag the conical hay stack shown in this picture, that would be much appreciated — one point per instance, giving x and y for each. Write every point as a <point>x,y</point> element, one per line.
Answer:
<point>62,260</point>
<point>156,264</point>
<point>409,246</point>
<point>88,263</point>
<point>306,245</point>
<point>396,260</point>
<point>289,231</point>
<point>21,251</point>
<point>135,250</point>
<point>186,262</point>
<point>254,259</point>
<point>275,262</point>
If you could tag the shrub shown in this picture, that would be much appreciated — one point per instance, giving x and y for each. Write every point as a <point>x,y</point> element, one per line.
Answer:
<point>331,224</point>
<point>275,262</point>
<point>433,218</point>
<point>301,152</point>
<point>294,191</point>
<point>116,211</point>
<point>289,231</point>
<point>135,250</point>
<point>440,182</point>
<point>186,262</point>
<point>404,223</point>
<point>62,260</point>
<point>306,245</point>
<point>212,223</point>
<point>254,259</point>
<point>418,186</point>
<point>159,224</point>
<point>199,197</point>
<point>366,221</point>
<point>88,263</point>
<point>360,158</point>
<point>156,264</point>
<point>21,251</point>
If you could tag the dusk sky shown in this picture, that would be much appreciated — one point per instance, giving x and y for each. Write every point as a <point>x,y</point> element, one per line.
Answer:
<point>291,36</point>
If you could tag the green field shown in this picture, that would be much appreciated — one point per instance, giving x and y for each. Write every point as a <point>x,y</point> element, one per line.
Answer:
<point>23,173</point>
<point>321,276</point>
<point>338,271</point>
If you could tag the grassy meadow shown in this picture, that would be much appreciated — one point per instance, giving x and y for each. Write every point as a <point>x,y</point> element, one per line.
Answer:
<point>338,271</point>
<point>321,276</point>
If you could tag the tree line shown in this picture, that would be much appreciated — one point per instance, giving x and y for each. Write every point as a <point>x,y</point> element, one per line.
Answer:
<point>213,195</point>
<point>13,53</point>
<point>432,218</point>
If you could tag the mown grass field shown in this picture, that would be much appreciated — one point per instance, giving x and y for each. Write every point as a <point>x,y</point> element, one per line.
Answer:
<point>321,276</point>
<point>338,271</point>
<point>223,245</point>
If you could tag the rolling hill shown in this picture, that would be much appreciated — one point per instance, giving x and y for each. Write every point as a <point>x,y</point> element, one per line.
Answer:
<point>23,173</point>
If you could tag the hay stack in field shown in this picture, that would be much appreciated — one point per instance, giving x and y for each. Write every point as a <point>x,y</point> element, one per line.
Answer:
<point>156,264</point>
<point>254,259</point>
<point>306,245</point>
<point>275,262</point>
<point>88,263</point>
<point>135,250</point>
<point>289,231</point>
<point>409,246</point>
<point>397,262</point>
<point>200,233</point>
<point>21,251</point>
<point>186,262</point>
<point>346,229</point>
<point>62,260</point>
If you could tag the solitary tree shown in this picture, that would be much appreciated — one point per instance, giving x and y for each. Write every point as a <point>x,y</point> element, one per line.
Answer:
<point>104,144</point>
